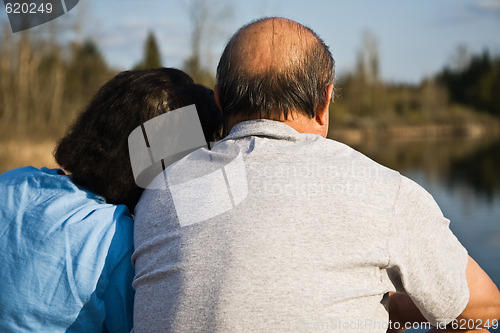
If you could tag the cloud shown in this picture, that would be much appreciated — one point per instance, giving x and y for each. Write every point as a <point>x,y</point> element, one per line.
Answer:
<point>488,5</point>
<point>466,12</point>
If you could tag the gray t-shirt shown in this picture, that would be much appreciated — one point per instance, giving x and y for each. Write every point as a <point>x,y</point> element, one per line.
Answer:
<point>278,231</point>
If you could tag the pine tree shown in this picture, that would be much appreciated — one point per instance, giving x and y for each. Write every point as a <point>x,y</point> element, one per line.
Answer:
<point>152,56</point>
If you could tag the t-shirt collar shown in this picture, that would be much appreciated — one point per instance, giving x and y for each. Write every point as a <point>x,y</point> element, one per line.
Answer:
<point>262,127</point>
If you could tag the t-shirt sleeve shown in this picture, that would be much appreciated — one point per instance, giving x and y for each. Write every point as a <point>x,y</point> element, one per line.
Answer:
<point>119,295</point>
<point>427,261</point>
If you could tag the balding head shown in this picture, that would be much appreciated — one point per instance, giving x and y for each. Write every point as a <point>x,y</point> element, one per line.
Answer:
<point>273,44</point>
<point>272,67</point>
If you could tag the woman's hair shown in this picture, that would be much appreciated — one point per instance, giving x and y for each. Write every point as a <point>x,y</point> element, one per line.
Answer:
<point>95,148</point>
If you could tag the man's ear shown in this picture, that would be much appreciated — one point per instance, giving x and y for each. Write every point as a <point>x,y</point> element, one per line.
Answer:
<point>322,116</point>
<point>216,96</point>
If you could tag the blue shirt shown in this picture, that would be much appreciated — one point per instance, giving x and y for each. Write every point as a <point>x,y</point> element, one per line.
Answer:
<point>65,256</point>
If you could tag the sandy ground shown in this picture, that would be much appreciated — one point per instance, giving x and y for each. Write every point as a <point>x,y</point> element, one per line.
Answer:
<point>14,154</point>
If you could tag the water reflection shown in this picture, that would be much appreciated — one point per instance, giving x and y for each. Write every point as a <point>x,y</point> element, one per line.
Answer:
<point>473,163</point>
<point>480,170</point>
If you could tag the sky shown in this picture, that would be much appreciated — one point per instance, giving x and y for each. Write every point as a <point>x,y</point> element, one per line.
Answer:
<point>415,38</point>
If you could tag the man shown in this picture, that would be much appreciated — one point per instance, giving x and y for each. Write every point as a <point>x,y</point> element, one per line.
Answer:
<point>316,236</point>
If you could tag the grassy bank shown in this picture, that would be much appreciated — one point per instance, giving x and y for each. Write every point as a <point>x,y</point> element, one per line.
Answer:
<point>448,123</point>
<point>363,134</point>
<point>18,153</point>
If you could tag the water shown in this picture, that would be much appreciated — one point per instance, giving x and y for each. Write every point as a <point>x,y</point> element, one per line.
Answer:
<point>464,178</point>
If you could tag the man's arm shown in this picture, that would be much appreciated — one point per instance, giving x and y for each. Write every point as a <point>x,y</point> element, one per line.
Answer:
<point>484,299</point>
<point>482,309</point>
<point>402,310</point>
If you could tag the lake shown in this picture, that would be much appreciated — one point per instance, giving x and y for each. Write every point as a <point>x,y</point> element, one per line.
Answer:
<point>463,175</point>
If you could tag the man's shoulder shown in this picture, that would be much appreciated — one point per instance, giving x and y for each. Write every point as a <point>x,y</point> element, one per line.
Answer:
<point>340,155</point>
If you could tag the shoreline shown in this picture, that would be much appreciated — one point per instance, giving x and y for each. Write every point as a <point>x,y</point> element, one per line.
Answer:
<point>429,132</point>
<point>36,151</point>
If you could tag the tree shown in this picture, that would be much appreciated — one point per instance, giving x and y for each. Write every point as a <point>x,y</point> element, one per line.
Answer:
<point>200,75</point>
<point>368,59</point>
<point>363,87</point>
<point>45,81</point>
<point>152,55</point>
<point>476,83</point>
<point>206,19</point>
<point>87,70</point>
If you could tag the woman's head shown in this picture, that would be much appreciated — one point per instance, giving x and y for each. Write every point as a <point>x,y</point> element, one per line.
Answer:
<point>95,148</point>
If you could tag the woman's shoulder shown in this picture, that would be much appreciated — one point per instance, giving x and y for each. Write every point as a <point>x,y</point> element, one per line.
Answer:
<point>32,176</point>
<point>54,193</point>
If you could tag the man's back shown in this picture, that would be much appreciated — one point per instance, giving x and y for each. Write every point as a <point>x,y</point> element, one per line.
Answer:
<point>321,236</point>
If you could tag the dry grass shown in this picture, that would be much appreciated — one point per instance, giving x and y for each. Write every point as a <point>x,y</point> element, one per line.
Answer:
<point>18,153</point>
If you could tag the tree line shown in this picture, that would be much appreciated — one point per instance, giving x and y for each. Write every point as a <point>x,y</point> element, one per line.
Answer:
<point>475,83</point>
<point>458,93</point>
<point>44,83</point>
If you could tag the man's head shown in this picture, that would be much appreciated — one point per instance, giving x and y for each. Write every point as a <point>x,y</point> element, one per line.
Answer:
<point>275,68</point>
<point>95,149</point>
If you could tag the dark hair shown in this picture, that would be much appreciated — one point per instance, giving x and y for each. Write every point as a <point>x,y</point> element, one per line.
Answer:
<point>95,148</point>
<point>301,86</point>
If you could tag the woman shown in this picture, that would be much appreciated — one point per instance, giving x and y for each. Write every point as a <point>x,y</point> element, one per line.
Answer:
<point>66,239</point>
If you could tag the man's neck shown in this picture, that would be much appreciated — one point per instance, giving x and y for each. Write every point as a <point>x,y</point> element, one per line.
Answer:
<point>299,122</point>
